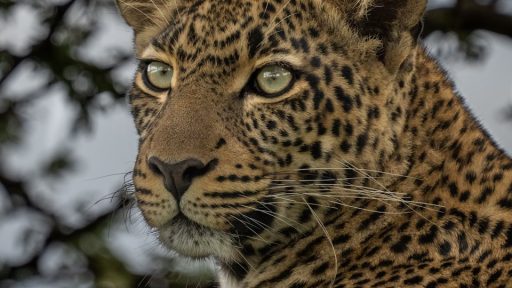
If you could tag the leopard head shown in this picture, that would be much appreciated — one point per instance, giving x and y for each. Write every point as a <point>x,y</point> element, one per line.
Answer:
<point>258,120</point>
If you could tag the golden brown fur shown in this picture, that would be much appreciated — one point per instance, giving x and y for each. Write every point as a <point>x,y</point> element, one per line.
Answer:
<point>368,172</point>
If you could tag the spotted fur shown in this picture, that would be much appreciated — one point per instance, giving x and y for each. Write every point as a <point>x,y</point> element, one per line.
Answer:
<point>368,172</point>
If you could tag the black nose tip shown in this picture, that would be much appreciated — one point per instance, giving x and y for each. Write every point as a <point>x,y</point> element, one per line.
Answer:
<point>177,176</point>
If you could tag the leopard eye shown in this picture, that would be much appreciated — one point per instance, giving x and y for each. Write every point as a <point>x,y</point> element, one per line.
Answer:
<point>159,75</point>
<point>273,80</point>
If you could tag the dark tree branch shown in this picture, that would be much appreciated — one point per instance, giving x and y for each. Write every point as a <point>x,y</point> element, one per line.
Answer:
<point>468,19</point>
<point>58,233</point>
<point>55,22</point>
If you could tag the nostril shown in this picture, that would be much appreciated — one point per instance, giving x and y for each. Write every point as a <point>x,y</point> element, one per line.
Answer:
<point>197,168</point>
<point>154,166</point>
<point>194,169</point>
<point>178,177</point>
<point>189,174</point>
<point>211,165</point>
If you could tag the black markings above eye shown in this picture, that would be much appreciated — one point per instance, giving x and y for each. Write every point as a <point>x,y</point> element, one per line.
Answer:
<point>254,38</point>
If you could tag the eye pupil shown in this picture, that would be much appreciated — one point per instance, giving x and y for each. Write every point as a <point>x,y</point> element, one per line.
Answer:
<point>159,75</point>
<point>273,80</point>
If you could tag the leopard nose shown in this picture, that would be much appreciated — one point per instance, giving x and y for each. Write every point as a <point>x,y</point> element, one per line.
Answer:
<point>178,176</point>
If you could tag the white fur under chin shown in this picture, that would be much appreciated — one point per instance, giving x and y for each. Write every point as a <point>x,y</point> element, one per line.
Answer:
<point>226,281</point>
<point>195,241</point>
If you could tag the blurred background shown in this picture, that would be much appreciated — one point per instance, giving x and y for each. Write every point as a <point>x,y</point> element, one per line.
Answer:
<point>67,142</point>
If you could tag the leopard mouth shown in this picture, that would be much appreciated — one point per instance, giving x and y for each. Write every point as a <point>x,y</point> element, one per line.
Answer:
<point>194,240</point>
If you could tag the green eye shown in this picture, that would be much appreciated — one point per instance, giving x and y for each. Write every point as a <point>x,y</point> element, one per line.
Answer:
<point>159,75</point>
<point>273,80</point>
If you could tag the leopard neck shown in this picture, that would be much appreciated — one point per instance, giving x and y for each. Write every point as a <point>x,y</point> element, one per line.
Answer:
<point>454,162</point>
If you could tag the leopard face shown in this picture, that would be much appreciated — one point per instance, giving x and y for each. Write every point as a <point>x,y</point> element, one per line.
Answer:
<point>252,114</point>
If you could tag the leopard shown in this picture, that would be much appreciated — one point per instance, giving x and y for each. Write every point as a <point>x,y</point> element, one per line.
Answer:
<point>313,143</point>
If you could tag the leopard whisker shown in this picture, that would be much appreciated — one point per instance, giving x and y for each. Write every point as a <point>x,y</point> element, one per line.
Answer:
<point>270,213</point>
<point>316,180</point>
<point>266,7</point>
<point>125,190</point>
<point>293,201</point>
<point>234,237</point>
<point>262,225</point>
<point>370,196</point>
<point>359,196</point>
<point>256,221</point>
<point>328,191</point>
<point>353,196</point>
<point>328,239</point>
<point>109,175</point>
<point>378,183</point>
<point>239,246</point>
<point>281,9</point>
<point>132,6</point>
<point>245,260</point>
<point>293,171</point>
<point>177,10</point>
<point>161,12</point>
<point>170,10</point>
<point>342,188</point>
<point>144,281</point>
<point>276,216</point>
<point>391,194</point>
<point>342,204</point>
<point>274,26</point>
<point>251,224</point>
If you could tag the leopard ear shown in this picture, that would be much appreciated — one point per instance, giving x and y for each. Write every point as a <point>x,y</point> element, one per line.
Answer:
<point>396,23</point>
<point>140,14</point>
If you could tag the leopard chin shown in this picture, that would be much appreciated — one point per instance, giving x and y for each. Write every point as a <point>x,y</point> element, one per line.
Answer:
<point>195,241</point>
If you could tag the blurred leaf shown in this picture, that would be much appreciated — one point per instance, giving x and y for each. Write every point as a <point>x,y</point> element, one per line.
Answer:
<point>59,165</point>
<point>11,123</point>
<point>464,20</point>
<point>6,4</point>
